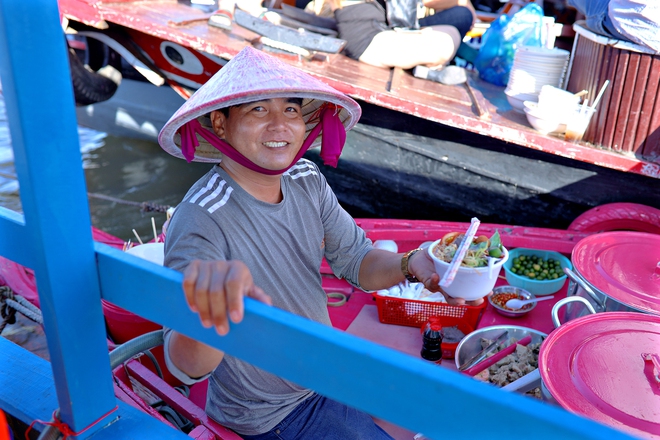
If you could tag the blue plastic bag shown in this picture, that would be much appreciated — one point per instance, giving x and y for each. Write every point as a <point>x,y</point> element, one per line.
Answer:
<point>503,37</point>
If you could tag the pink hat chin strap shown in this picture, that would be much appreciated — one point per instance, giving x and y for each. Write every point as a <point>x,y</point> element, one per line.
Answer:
<point>332,141</point>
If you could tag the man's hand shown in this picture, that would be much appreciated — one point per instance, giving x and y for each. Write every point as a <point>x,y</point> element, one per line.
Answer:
<point>216,289</point>
<point>421,265</point>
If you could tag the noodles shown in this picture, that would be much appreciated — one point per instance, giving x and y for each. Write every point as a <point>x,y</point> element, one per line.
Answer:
<point>478,252</point>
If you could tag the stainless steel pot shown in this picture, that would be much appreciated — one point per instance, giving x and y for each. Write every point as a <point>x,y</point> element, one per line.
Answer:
<point>605,367</point>
<point>613,272</point>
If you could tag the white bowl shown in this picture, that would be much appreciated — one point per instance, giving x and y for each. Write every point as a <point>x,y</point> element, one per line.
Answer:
<point>470,283</point>
<point>517,99</point>
<point>154,252</point>
<point>544,123</point>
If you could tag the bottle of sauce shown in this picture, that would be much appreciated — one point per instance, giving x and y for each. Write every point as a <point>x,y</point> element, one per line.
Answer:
<point>432,341</point>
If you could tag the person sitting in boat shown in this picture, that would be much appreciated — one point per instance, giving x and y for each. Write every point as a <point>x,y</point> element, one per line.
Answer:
<point>369,38</point>
<point>258,225</point>
<point>637,21</point>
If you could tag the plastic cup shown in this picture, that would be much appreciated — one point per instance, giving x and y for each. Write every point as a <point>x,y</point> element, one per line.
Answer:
<point>578,123</point>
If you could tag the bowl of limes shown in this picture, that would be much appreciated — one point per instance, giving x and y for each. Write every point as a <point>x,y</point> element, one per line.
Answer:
<point>539,272</point>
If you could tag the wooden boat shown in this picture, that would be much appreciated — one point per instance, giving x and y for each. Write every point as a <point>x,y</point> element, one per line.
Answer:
<point>141,381</point>
<point>443,152</point>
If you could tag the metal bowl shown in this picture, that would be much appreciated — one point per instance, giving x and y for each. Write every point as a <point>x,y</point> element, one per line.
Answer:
<point>471,344</point>
<point>522,294</point>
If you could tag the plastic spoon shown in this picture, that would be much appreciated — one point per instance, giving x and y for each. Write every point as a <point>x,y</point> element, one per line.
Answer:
<point>518,303</point>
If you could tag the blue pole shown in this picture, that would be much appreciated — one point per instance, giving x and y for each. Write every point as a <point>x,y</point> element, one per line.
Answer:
<point>40,108</point>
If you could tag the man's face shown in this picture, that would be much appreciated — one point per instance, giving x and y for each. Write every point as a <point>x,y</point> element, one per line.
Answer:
<point>269,133</point>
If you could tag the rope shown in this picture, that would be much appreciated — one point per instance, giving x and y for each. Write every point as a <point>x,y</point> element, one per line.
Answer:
<point>337,296</point>
<point>29,311</point>
<point>144,206</point>
<point>10,303</point>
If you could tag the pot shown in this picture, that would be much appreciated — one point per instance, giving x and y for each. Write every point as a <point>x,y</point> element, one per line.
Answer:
<point>614,271</point>
<point>606,367</point>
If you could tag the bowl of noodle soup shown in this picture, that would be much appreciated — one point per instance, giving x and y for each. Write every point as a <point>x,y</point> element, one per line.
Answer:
<point>472,281</point>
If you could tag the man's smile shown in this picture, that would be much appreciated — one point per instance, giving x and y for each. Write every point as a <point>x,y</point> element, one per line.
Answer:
<point>274,144</point>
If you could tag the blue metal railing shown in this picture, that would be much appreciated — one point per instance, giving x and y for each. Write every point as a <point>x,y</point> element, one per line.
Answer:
<point>73,273</point>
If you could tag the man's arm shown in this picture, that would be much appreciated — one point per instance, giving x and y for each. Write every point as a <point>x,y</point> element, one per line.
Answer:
<point>216,291</point>
<point>381,269</point>
<point>192,357</point>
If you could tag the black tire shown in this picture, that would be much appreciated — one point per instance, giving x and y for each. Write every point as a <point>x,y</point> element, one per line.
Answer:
<point>89,87</point>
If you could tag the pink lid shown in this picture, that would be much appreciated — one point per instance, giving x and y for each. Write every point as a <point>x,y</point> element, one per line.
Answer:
<point>605,367</point>
<point>622,265</point>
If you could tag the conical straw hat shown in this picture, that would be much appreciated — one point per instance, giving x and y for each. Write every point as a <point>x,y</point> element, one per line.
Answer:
<point>253,75</point>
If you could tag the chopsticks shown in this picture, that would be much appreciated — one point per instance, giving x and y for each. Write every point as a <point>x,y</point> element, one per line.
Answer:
<point>474,370</point>
<point>485,352</point>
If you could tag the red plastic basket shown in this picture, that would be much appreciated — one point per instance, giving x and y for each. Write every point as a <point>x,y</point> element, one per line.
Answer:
<point>414,313</point>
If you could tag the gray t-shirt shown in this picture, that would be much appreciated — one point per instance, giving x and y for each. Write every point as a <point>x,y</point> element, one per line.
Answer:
<point>283,245</point>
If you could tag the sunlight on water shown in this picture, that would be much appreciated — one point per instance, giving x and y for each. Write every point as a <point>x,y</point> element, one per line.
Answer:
<point>90,140</point>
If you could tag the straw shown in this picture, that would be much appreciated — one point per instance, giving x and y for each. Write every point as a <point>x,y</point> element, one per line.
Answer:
<point>137,236</point>
<point>583,109</point>
<point>153,226</point>
<point>600,93</point>
<point>448,277</point>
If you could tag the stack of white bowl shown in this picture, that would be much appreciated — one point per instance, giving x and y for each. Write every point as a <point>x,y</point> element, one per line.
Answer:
<point>533,68</point>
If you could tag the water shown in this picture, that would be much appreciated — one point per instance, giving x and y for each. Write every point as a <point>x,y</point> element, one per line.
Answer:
<point>126,169</point>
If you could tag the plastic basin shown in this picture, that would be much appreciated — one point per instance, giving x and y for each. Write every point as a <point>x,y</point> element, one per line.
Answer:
<point>537,287</point>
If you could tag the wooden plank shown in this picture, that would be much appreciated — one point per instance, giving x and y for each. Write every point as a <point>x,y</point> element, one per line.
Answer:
<point>607,69</point>
<point>624,124</point>
<point>651,97</point>
<point>27,392</point>
<point>618,78</point>
<point>12,243</point>
<point>652,145</point>
<point>639,94</point>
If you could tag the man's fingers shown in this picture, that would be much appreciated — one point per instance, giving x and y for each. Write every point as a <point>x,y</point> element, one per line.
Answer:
<point>189,282</point>
<point>216,290</point>
<point>217,299</point>
<point>237,282</point>
<point>206,288</point>
<point>258,294</point>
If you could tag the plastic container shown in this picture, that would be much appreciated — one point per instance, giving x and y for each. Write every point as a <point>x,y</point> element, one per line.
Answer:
<point>578,123</point>
<point>537,287</point>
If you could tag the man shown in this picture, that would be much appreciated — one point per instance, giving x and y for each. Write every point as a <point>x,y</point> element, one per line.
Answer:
<point>258,225</point>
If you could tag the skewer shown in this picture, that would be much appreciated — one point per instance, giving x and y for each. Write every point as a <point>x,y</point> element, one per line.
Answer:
<point>153,226</point>
<point>137,236</point>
